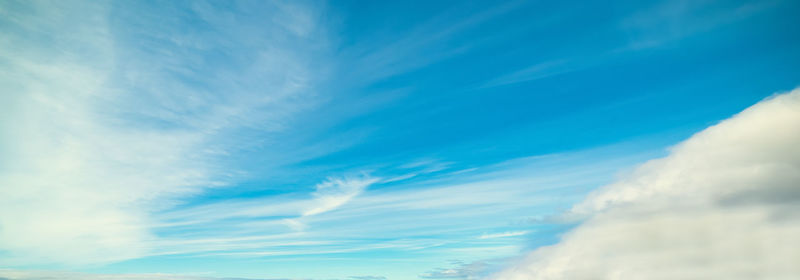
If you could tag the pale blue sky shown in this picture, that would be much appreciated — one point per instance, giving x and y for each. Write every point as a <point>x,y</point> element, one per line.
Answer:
<point>347,139</point>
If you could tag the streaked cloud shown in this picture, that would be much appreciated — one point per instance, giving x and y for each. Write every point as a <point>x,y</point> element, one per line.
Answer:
<point>460,270</point>
<point>503,234</point>
<point>669,21</point>
<point>7,274</point>
<point>531,73</point>
<point>98,134</point>
<point>336,192</point>
<point>458,210</point>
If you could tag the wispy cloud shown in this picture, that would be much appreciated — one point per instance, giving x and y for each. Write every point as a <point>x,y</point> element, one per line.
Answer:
<point>531,73</point>
<point>660,24</point>
<point>99,133</point>
<point>457,213</point>
<point>460,270</point>
<point>503,234</point>
<point>423,44</point>
<point>670,21</point>
<point>6,274</point>
<point>336,192</point>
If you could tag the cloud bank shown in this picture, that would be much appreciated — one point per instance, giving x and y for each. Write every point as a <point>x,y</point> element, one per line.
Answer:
<point>723,205</point>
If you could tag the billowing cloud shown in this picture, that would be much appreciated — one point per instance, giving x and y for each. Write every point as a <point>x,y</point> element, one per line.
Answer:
<point>722,205</point>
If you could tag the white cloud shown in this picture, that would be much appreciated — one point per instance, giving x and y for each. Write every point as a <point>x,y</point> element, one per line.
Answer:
<point>722,205</point>
<point>503,234</point>
<point>480,203</point>
<point>266,224</point>
<point>336,192</point>
<point>97,134</point>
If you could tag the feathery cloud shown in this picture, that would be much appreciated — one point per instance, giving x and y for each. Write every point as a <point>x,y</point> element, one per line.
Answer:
<point>98,134</point>
<point>336,192</point>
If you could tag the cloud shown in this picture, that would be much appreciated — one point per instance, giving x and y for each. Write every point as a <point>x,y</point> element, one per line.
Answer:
<point>721,205</point>
<point>329,195</point>
<point>6,274</point>
<point>532,73</point>
<point>368,277</point>
<point>458,210</point>
<point>468,271</point>
<point>98,133</point>
<point>272,225</point>
<point>423,44</point>
<point>670,21</point>
<point>503,234</point>
<point>336,192</point>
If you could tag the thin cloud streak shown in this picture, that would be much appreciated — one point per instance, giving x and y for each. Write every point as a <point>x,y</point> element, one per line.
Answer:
<point>503,234</point>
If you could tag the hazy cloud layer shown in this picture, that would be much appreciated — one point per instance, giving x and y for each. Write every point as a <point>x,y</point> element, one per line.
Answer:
<point>722,205</point>
<point>6,274</point>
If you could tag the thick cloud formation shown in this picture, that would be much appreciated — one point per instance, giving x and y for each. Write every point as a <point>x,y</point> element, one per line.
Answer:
<point>723,205</point>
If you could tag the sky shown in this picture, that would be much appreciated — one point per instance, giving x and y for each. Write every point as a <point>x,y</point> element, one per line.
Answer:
<point>374,140</point>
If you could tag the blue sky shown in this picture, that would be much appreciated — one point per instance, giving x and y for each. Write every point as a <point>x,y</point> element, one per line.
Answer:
<point>349,139</point>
